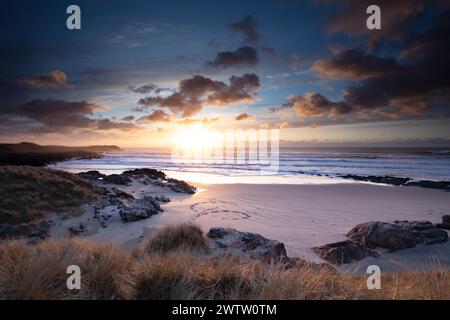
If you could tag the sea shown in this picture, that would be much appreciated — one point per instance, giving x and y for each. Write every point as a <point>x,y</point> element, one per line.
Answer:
<point>294,165</point>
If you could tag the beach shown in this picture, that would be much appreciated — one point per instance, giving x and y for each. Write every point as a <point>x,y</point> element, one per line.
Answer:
<point>301,216</point>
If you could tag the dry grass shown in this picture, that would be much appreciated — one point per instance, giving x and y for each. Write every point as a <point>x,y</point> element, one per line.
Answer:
<point>39,272</point>
<point>179,237</point>
<point>29,193</point>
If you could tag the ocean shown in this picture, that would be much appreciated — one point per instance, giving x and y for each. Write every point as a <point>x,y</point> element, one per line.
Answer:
<point>296,165</point>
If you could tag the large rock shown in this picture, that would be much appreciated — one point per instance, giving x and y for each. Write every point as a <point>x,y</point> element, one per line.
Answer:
<point>138,209</point>
<point>91,175</point>
<point>117,179</point>
<point>383,234</point>
<point>245,244</point>
<point>445,223</point>
<point>398,235</point>
<point>344,252</point>
<point>180,186</point>
<point>444,185</point>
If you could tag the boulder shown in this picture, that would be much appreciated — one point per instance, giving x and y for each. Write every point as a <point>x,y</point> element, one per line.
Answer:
<point>446,218</point>
<point>91,175</point>
<point>76,230</point>
<point>383,234</point>
<point>398,235</point>
<point>138,209</point>
<point>162,198</point>
<point>117,179</point>
<point>180,186</point>
<point>344,252</point>
<point>245,244</point>
<point>150,173</point>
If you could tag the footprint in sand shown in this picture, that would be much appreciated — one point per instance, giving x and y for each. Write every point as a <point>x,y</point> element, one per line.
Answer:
<point>223,209</point>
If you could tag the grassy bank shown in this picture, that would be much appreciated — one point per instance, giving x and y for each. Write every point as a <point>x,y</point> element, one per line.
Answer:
<point>182,270</point>
<point>29,193</point>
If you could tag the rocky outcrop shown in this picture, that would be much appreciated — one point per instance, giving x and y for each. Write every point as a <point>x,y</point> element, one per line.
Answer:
<point>398,235</point>
<point>144,175</point>
<point>117,179</point>
<point>444,185</point>
<point>180,186</point>
<point>382,234</point>
<point>344,252</point>
<point>445,223</point>
<point>396,181</point>
<point>149,173</point>
<point>138,209</point>
<point>400,181</point>
<point>245,244</point>
<point>367,236</point>
<point>91,175</point>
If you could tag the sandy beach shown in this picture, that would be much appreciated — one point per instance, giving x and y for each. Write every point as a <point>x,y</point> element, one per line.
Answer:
<point>300,216</point>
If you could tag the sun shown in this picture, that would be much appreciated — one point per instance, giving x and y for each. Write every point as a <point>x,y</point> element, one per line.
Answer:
<point>195,137</point>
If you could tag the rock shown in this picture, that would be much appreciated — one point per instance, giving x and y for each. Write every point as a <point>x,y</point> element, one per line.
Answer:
<point>344,252</point>
<point>415,225</point>
<point>445,226</point>
<point>162,199</point>
<point>117,179</point>
<point>433,236</point>
<point>180,186</point>
<point>91,175</point>
<point>444,185</point>
<point>383,234</point>
<point>396,181</point>
<point>150,173</point>
<point>445,223</point>
<point>398,235</point>
<point>246,244</point>
<point>75,231</point>
<point>138,209</point>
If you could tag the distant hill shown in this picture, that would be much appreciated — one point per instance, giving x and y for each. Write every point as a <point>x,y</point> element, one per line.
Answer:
<point>27,153</point>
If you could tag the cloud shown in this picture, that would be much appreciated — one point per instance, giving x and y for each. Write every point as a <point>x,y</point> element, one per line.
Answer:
<point>127,118</point>
<point>196,92</point>
<point>398,18</point>
<point>244,116</point>
<point>50,115</point>
<point>316,105</point>
<point>415,84</point>
<point>204,121</point>
<point>107,124</point>
<point>355,64</point>
<point>52,80</point>
<point>148,88</point>
<point>156,116</point>
<point>242,57</point>
<point>248,27</point>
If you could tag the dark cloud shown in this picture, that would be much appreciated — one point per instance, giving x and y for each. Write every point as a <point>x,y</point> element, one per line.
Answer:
<point>107,124</point>
<point>415,84</point>
<point>355,64</point>
<point>243,57</point>
<point>50,115</point>
<point>248,27</point>
<point>243,116</point>
<point>193,93</point>
<point>316,105</point>
<point>52,80</point>
<point>156,116</point>
<point>398,18</point>
<point>148,88</point>
<point>127,118</point>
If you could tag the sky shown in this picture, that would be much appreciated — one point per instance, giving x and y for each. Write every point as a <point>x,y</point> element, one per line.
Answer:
<point>138,71</point>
